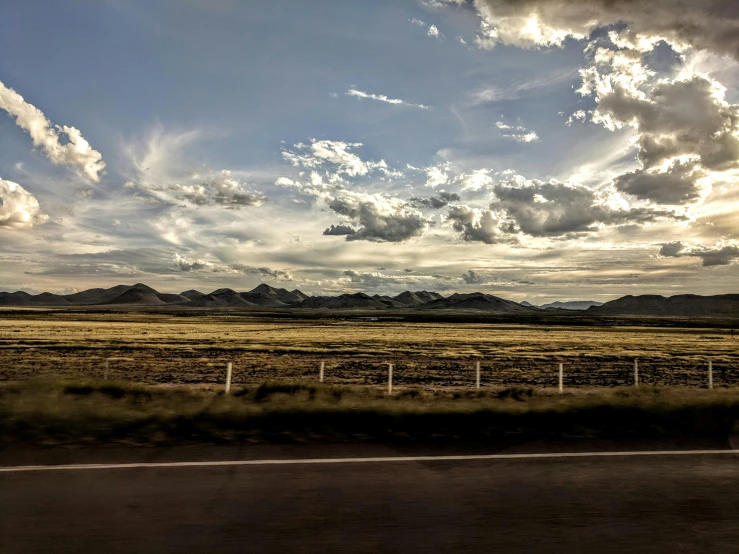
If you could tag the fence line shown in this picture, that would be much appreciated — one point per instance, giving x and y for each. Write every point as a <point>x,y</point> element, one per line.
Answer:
<point>698,373</point>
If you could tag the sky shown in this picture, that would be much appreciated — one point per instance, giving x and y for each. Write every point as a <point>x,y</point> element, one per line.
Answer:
<point>537,150</point>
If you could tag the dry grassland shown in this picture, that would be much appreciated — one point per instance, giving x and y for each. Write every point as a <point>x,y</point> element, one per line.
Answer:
<point>159,348</point>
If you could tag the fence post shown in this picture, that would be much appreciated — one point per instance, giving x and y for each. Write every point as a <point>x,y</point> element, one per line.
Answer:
<point>636,372</point>
<point>390,379</point>
<point>477,375</point>
<point>561,378</point>
<point>229,368</point>
<point>710,374</point>
<point>107,368</point>
<point>320,373</point>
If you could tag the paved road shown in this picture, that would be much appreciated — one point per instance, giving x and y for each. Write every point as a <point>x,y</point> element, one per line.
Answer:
<point>601,504</point>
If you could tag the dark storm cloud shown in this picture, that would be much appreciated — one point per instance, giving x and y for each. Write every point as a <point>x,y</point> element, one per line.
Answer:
<point>435,202</point>
<point>379,218</point>
<point>339,230</point>
<point>705,24</point>
<point>676,185</point>
<point>720,254</point>
<point>554,209</point>
<point>471,277</point>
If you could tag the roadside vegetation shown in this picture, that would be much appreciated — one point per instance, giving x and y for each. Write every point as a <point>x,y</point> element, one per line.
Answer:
<point>85,411</point>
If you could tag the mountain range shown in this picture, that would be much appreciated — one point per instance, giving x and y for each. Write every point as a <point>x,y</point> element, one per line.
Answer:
<point>572,305</point>
<point>267,297</point>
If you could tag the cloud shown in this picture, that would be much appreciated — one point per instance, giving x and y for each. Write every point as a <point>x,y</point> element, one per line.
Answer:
<point>437,175</point>
<point>62,145</point>
<point>379,218</point>
<point>673,118</point>
<point>19,209</point>
<point>477,225</point>
<point>217,189</point>
<point>431,30</point>
<point>722,253</point>
<point>554,209</point>
<point>374,279</point>
<point>676,185</point>
<point>442,3</point>
<point>339,230</point>
<point>336,154</point>
<point>194,265</point>
<point>382,98</point>
<point>162,173</point>
<point>471,277</point>
<point>515,90</point>
<point>703,24</point>
<point>435,202</point>
<point>478,179</point>
<point>518,133</point>
<point>685,129</point>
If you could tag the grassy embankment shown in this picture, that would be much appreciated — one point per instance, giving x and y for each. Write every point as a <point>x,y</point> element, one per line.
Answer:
<point>97,412</point>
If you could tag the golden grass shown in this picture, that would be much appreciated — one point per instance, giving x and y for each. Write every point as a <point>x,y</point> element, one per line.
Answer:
<point>162,348</point>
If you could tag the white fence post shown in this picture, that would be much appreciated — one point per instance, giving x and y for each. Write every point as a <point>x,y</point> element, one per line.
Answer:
<point>229,368</point>
<point>710,374</point>
<point>390,379</point>
<point>107,368</point>
<point>320,373</point>
<point>477,375</point>
<point>636,373</point>
<point>561,378</point>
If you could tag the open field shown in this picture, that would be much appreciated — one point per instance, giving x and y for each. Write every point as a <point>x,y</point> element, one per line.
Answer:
<point>169,348</point>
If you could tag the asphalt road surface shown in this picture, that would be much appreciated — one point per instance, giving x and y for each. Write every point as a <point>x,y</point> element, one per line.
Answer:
<point>660,503</point>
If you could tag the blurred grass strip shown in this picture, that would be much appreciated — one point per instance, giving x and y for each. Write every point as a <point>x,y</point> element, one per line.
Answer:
<point>103,412</point>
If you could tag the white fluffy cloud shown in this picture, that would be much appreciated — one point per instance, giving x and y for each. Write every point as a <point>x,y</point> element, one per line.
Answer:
<point>722,253</point>
<point>476,180</point>
<point>19,209</point>
<point>437,175</point>
<point>62,145</point>
<point>337,155</point>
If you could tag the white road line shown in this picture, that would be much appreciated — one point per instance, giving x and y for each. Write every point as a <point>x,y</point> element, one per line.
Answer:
<point>309,461</point>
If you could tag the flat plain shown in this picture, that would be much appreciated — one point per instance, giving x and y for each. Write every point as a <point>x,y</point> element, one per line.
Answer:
<point>156,348</point>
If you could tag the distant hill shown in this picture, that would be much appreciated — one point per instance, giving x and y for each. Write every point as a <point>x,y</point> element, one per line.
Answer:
<point>477,301</point>
<point>571,305</point>
<point>343,301</point>
<point>683,305</point>
<point>270,297</point>
<point>265,297</point>
<point>417,298</point>
<point>138,294</point>
<point>221,298</point>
